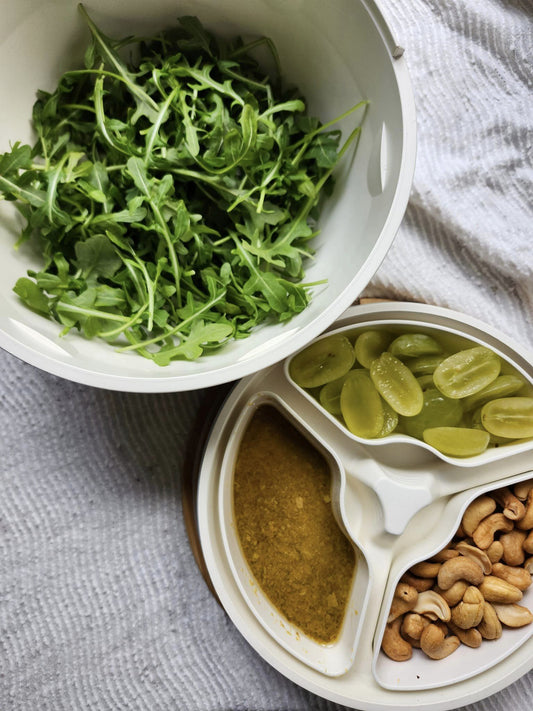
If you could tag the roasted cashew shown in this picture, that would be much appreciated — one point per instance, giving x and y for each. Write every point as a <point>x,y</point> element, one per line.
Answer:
<point>432,605</point>
<point>476,554</point>
<point>413,625</point>
<point>483,535</point>
<point>521,489</point>
<point>425,569</point>
<point>471,637</point>
<point>513,508</point>
<point>393,644</point>
<point>525,523</point>
<point>435,644</point>
<point>528,564</point>
<point>479,509</point>
<point>516,575</point>
<point>444,554</point>
<point>527,545</point>
<point>513,551</point>
<point>490,626</point>
<point>419,584</point>
<point>460,568</point>
<point>469,612</point>
<point>405,597</point>
<point>494,551</point>
<point>513,615</point>
<point>495,589</point>
<point>454,594</point>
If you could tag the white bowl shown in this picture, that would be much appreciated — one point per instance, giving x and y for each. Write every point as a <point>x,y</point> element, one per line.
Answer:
<point>336,53</point>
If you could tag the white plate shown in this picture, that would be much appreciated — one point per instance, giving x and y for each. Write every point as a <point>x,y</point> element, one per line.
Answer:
<point>371,682</point>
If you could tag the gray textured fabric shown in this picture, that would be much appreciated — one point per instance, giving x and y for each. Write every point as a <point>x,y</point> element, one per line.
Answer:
<point>101,603</point>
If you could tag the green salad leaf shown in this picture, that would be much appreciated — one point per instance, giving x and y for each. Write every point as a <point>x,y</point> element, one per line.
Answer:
<point>173,191</point>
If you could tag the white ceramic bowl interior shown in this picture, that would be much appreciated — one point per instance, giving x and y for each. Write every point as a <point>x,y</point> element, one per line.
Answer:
<point>332,659</point>
<point>337,54</point>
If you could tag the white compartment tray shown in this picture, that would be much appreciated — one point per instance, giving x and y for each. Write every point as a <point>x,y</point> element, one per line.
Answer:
<point>431,491</point>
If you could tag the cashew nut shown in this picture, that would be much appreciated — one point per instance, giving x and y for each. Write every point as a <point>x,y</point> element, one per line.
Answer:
<point>405,597</point>
<point>483,535</point>
<point>521,489</point>
<point>516,575</point>
<point>513,615</point>
<point>513,551</point>
<point>476,554</point>
<point>393,644</point>
<point>413,625</point>
<point>460,568</point>
<point>494,551</point>
<point>425,569</point>
<point>469,612</point>
<point>419,584</point>
<point>479,509</point>
<point>490,626</point>
<point>495,589</point>
<point>432,605</point>
<point>513,508</point>
<point>445,554</point>
<point>527,545</point>
<point>471,637</point>
<point>525,523</point>
<point>528,564</point>
<point>454,594</point>
<point>434,643</point>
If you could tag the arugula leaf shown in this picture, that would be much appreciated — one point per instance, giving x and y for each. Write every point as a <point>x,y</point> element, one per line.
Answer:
<point>174,195</point>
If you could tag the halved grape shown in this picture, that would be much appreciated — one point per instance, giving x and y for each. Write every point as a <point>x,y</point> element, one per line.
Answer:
<point>390,420</point>
<point>437,411</point>
<point>361,405</point>
<point>424,365</point>
<point>330,395</point>
<point>475,422</point>
<point>414,344</point>
<point>369,345</point>
<point>503,386</point>
<point>396,384</point>
<point>457,441</point>
<point>509,417</point>
<point>322,361</point>
<point>467,372</point>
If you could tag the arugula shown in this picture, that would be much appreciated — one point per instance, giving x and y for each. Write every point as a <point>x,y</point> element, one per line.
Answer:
<point>174,195</point>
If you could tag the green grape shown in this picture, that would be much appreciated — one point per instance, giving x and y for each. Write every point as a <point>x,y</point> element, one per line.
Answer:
<point>467,372</point>
<point>390,420</point>
<point>414,344</point>
<point>437,411</point>
<point>330,395</point>
<point>361,405</point>
<point>425,381</point>
<point>396,384</point>
<point>424,365</point>
<point>323,361</point>
<point>457,441</point>
<point>509,417</point>
<point>369,345</point>
<point>503,386</point>
<point>475,421</point>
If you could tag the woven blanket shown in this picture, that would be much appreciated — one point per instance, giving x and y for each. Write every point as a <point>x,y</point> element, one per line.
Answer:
<point>102,605</point>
